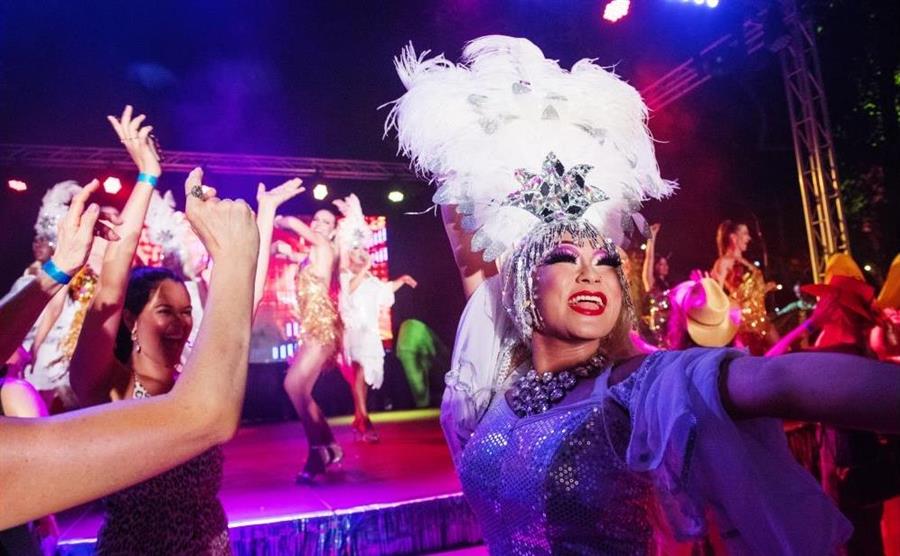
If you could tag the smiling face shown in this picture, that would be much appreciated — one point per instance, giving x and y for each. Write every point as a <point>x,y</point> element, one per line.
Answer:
<point>164,324</point>
<point>324,222</point>
<point>578,293</point>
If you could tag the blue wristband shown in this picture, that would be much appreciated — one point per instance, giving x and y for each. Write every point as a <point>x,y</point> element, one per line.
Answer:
<point>54,272</point>
<point>148,179</point>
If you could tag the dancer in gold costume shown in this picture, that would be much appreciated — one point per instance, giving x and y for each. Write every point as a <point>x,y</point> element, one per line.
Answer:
<point>321,328</point>
<point>745,284</point>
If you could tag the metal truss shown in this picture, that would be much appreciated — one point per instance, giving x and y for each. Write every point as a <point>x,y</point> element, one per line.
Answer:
<point>823,208</point>
<point>697,70</point>
<point>47,156</point>
<point>826,225</point>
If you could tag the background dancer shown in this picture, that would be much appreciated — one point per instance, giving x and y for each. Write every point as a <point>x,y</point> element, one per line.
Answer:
<point>745,284</point>
<point>321,328</point>
<point>363,297</point>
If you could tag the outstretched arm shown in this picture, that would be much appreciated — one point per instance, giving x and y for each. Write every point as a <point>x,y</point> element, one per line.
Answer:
<point>842,390</point>
<point>54,463</point>
<point>267,203</point>
<point>473,270</point>
<point>299,227</point>
<point>405,280</point>
<point>91,367</point>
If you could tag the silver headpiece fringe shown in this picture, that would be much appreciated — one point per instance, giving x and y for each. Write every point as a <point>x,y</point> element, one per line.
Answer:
<point>518,272</point>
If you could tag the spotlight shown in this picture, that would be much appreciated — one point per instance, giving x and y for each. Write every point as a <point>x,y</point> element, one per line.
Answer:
<point>396,196</point>
<point>112,185</point>
<point>320,191</point>
<point>868,268</point>
<point>616,10</point>
<point>17,185</point>
<point>712,3</point>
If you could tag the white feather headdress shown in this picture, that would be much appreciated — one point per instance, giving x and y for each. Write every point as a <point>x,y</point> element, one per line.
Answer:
<point>470,126</point>
<point>54,206</point>
<point>167,227</point>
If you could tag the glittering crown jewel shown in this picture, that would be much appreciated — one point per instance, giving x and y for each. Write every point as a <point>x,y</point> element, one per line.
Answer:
<point>555,193</point>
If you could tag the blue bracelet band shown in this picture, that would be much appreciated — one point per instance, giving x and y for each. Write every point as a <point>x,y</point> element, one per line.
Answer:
<point>54,272</point>
<point>148,179</point>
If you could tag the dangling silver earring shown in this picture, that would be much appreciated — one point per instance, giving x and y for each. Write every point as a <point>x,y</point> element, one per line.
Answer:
<point>134,338</point>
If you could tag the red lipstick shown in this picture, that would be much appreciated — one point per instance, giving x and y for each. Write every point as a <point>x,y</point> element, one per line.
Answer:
<point>588,303</point>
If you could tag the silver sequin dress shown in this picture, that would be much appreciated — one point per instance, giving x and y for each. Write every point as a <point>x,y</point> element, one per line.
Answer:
<point>557,482</point>
<point>636,468</point>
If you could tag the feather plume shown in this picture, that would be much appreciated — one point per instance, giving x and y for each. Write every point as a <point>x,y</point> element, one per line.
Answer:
<point>468,127</point>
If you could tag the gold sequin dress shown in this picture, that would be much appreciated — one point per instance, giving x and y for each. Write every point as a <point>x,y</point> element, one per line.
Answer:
<point>747,287</point>
<point>320,321</point>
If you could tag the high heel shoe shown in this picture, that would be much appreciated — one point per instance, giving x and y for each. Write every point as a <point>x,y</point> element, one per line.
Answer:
<point>364,430</point>
<point>318,461</point>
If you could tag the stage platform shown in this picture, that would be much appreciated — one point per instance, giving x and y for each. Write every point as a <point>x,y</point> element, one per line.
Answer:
<point>400,496</point>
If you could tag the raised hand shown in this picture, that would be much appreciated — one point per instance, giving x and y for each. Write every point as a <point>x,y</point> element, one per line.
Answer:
<point>227,228</point>
<point>270,200</point>
<point>349,206</point>
<point>77,229</point>
<point>408,280</point>
<point>137,141</point>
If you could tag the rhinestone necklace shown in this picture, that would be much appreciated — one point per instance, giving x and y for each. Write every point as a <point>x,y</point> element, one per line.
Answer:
<point>535,393</point>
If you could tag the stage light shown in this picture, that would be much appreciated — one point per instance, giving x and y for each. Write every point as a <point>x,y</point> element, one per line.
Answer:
<point>699,2</point>
<point>712,3</point>
<point>868,268</point>
<point>616,10</point>
<point>17,185</point>
<point>320,191</point>
<point>112,185</point>
<point>396,196</point>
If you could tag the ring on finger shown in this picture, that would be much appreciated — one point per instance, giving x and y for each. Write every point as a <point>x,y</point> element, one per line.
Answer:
<point>197,191</point>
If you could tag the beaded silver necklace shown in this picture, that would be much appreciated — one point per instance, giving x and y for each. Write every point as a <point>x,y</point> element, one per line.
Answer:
<point>535,393</point>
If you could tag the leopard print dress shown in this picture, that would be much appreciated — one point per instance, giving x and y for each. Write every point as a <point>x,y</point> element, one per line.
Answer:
<point>175,513</point>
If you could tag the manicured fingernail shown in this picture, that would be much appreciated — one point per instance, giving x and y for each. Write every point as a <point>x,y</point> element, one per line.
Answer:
<point>94,207</point>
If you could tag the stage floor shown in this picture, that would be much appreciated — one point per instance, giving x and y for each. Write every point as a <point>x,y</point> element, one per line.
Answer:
<point>410,463</point>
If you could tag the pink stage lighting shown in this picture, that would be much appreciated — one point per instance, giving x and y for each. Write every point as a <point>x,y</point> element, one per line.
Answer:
<point>616,10</point>
<point>112,185</point>
<point>17,185</point>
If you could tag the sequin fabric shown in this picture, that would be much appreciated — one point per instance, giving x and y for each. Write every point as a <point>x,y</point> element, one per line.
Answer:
<point>176,512</point>
<point>556,483</point>
<point>747,287</point>
<point>317,310</point>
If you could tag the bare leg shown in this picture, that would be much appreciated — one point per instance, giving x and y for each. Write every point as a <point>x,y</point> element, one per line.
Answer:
<point>360,390</point>
<point>299,382</point>
<point>362,426</point>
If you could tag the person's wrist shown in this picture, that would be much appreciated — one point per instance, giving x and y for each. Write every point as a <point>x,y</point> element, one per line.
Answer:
<point>149,177</point>
<point>60,272</point>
